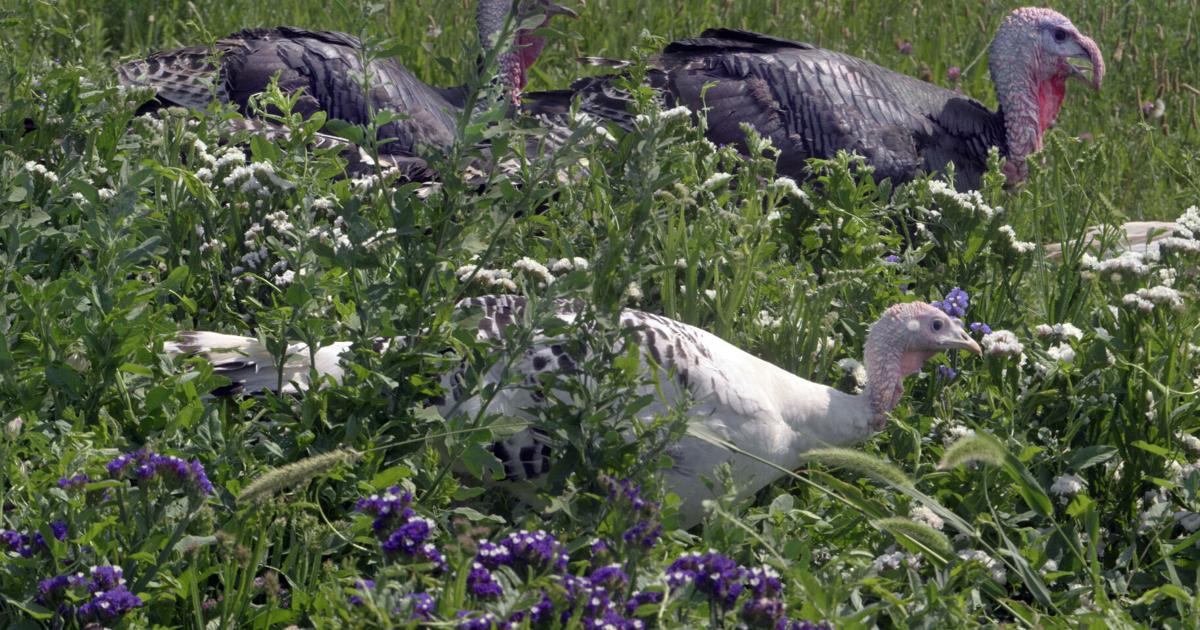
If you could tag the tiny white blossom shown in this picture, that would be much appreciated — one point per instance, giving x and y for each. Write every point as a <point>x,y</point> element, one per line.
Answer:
<point>855,369</point>
<point>788,186</point>
<point>1063,353</point>
<point>1002,343</point>
<point>535,269</point>
<point>922,514</point>
<point>633,292</point>
<point>955,432</point>
<point>716,181</point>
<point>1146,299</point>
<point>1067,486</point>
<point>1011,241</point>
<point>991,564</point>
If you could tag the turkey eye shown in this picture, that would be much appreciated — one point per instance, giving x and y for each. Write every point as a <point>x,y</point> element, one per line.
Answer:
<point>1059,34</point>
<point>937,324</point>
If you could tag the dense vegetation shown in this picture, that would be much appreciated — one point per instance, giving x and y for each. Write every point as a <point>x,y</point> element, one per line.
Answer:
<point>1070,496</point>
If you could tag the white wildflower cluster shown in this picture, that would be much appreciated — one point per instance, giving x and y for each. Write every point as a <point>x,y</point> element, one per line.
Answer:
<point>207,245</point>
<point>1010,242</point>
<point>255,178</point>
<point>1065,330</point>
<point>633,292</point>
<point>788,187</point>
<point>1062,353</point>
<point>665,117</point>
<point>1128,263</point>
<point>281,275</point>
<point>1002,343</point>
<point>491,278</point>
<point>368,182</point>
<point>766,320</point>
<point>952,433</point>
<point>922,514</point>
<point>855,369</point>
<point>993,566</point>
<point>970,202</point>
<point>718,180</point>
<point>106,194</point>
<point>35,168</point>
<point>567,265</point>
<point>584,120</point>
<point>1146,299</point>
<point>535,270</point>
<point>280,221</point>
<point>376,240</point>
<point>1190,220</point>
<point>1189,441</point>
<point>1066,487</point>
<point>895,560</point>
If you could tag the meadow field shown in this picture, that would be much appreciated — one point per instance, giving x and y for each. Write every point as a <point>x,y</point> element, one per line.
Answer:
<point>1053,481</point>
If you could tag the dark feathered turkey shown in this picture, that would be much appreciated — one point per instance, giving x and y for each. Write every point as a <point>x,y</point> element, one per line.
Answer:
<point>325,69</point>
<point>812,102</point>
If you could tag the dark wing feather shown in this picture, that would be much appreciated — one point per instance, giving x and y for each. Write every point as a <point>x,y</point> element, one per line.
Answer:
<point>812,103</point>
<point>325,66</point>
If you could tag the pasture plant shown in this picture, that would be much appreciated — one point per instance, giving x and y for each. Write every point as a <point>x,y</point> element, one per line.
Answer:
<point>1053,481</point>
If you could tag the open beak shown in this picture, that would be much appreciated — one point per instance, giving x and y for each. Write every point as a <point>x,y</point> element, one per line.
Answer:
<point>1091,59</point>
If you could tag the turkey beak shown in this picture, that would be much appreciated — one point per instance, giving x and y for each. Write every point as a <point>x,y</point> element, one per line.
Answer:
<point>554,8</point>
<point>960,340</point>
<point>1089,52</point>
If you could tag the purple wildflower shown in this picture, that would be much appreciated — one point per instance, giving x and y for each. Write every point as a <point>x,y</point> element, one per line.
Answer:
<point>422,606</point>
<point>393,505</point>
<point>475,620</point>
<point>361,586</point>
<point>147,465</point>
<point>946,373</point>
<point>70,483</point>
<point>429,552</point>
<point>954,73</point>
<point>610,577</point>
<point>955,304</point>
<point>599,547</point>
<point>713,574</point>
<point>891,259</point>
<point>643,534</point>
<point>482,583</point>
<point>408,536</point>
<point>643,598</point>
<point>110,604</point>
<point>764,582</point>
<point>763,612</point>
<point>524,550</point>
<point>799,624</point>
<point>980,327</point>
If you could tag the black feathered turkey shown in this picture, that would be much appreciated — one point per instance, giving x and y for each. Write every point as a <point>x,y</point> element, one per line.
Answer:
<point>325,67</point>
<point>812,102</point>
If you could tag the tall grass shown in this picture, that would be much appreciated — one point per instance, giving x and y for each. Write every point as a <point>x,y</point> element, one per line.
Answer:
<point>1075,502</point>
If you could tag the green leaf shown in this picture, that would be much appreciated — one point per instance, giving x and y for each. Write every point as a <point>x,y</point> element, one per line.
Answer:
<point>1089,456</point>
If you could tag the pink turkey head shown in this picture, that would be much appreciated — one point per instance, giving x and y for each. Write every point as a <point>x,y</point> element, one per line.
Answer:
<point>903,338</point>
<point>490,18</point>
<point>1033,54</point>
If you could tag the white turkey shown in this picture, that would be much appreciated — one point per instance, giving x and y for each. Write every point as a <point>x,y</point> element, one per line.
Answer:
<point>1141,237</point>
<point>760,408</point>
<point>812,102</point>
<point>325,67</point>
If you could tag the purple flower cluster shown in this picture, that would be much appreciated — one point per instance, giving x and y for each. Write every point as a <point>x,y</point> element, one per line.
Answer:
<point>25,545</point>
<point>980,327</point>
<point>891,259</point>
<point>946,373</point>
<point>146,465</point>
<point>646,529</point>
<point>524,550</point>
<point>482,584</point>
<point>71,483</point>
<point>399,529</point>
<point>955,304</point>
<point>712,573</point>
<point>110,598</point>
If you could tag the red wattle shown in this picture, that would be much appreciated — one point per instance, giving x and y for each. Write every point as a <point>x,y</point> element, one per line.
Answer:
<point>1050,97</point>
